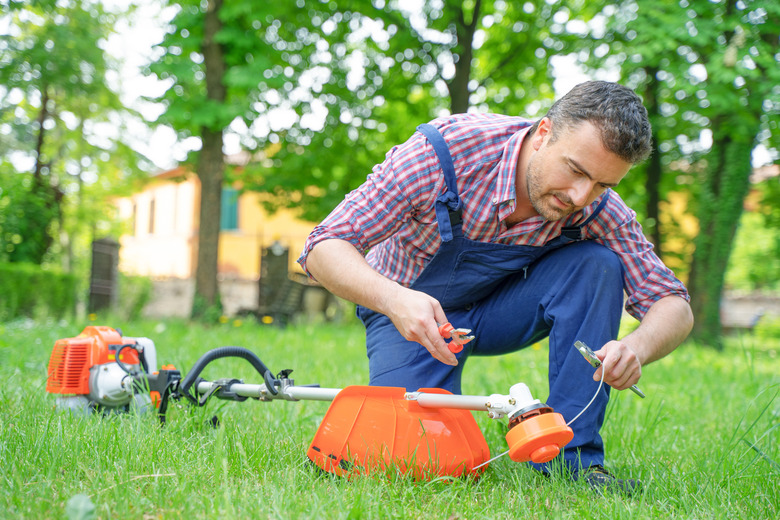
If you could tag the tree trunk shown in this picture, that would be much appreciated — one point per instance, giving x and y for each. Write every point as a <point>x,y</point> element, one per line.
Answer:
<point>458,86</point>
<point>654,169</point>
<point>653,189</point>
<point>210,172</point>
<point>720,209</point>
<point>40,240</point>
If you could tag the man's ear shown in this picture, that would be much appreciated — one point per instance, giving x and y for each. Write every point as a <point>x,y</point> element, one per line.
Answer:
<point>542,134</point>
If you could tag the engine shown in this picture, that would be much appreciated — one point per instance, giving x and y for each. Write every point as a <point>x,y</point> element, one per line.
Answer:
<point>100,369</point>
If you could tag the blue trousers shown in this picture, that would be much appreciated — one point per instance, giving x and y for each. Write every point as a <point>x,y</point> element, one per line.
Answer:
<point>572,293</point>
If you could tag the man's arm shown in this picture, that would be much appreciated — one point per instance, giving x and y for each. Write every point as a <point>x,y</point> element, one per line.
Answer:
<point>338,266</point>
<point>666,324</point>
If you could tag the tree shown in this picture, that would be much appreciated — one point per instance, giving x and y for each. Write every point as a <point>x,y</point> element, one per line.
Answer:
<point>709,71</point>
<point>211,164</point>
<point>218,56</point>
<point>381,70</point>
<point>55,108</point>
<point>334,72</point>
<point>743,69</point>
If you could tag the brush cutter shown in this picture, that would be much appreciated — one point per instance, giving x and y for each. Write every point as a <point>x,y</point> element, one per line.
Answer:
<point>428,433</point>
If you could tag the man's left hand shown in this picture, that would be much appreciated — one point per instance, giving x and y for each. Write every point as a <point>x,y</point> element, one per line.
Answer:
<point>620,364</point>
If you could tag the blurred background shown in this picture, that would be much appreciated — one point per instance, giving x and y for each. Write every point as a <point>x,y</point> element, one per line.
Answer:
<point>169,158</point>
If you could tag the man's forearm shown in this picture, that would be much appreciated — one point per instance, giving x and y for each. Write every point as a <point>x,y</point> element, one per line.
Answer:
<point>666,324</point>
<point>341,269</point>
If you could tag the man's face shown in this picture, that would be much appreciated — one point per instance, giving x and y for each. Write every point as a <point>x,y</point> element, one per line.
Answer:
<point>566,175</point>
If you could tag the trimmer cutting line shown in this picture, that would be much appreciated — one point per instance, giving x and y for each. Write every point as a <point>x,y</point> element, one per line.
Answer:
<point>598,389</point>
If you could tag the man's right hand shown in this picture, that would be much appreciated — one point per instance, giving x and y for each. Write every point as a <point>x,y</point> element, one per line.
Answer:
<point>416,315</point>
<point>338,266</point>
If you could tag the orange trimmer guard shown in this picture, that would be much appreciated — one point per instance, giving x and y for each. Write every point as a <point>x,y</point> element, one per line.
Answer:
<point>373,428</point>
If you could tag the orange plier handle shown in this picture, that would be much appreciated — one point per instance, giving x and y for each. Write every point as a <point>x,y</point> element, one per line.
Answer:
<point>459,337</point>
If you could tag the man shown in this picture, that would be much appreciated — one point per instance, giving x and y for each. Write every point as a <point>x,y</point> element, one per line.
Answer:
<point>510,228</point>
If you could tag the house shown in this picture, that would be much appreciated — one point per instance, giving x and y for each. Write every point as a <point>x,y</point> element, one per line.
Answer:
<point>161,241</point>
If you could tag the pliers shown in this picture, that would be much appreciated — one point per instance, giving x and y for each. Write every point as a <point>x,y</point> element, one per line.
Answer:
<point>459,337</point>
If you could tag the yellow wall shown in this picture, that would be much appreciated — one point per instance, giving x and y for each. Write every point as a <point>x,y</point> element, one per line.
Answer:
<point>674,213</point>
<point>168,246</point>
<point>239,250</point>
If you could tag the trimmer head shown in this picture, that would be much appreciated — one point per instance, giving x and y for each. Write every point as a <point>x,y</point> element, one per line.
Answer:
<point>539,438</point>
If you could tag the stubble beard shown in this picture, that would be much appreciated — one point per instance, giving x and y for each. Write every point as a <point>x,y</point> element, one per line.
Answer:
<point>540,200</point>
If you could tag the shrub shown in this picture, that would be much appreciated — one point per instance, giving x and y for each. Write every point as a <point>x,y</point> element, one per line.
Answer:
<point>28,290</point>
<point>134,293</point>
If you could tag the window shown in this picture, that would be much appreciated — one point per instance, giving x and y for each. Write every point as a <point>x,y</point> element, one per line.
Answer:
<point>151,217</point>
<point>133,221</point>
<point>228,220</point>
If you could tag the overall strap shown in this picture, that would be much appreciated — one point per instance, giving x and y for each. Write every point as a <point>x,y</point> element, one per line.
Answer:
<point>575,232</point>
<point>448,206</point>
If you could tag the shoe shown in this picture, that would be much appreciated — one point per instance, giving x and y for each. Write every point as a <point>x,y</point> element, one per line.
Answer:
<point>602,480</point>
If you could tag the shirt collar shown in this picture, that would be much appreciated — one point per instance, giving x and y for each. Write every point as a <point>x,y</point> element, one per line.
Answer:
<point>507,173</point>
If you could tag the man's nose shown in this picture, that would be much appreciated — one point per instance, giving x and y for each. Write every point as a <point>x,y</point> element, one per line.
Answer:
<point>581,192</point>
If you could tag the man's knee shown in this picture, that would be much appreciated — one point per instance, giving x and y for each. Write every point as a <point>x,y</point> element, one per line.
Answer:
<point>584,271</point>
<point>598,261</point>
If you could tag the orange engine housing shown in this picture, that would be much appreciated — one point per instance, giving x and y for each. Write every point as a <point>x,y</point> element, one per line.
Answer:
<point>72,358</point>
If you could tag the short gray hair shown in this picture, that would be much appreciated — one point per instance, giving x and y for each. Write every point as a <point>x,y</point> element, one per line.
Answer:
<point>615,110</point>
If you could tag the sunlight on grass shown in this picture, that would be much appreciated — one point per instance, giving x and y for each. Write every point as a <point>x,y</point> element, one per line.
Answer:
<point>705,441</point>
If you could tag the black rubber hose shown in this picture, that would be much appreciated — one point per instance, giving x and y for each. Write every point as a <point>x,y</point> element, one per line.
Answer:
<point>223,352</point>
<point>141,358</point>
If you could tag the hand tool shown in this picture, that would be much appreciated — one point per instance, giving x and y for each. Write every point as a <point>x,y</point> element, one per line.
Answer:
<point>459,337</point>
<point>595,362</point>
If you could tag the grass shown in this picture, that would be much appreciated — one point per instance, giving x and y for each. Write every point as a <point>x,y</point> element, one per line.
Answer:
<point>690,440</point>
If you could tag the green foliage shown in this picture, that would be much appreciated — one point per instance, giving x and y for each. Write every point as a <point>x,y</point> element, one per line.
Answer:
<point>754,264</point>
<point>29,290</point>
<point>708,71</point>
<point>388,69</point>
<point>357,78</point>
<point>61,123</point>
<point>27,215</point>
<point>252,63</point>
<point>134,293</point>
<point>767,329</point>
<point>204,311</point>
<point>770,201</point>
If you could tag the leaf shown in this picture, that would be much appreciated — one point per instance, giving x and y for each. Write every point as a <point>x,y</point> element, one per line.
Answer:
<point>80,507</point>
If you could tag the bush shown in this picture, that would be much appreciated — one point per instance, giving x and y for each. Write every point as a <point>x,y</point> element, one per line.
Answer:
<point>754,264</point>
<point>134,293</point>
<point>27,213</point>
<point>30,290</point>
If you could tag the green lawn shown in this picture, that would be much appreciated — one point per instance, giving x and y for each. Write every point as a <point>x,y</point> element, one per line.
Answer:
<point>690,440</point>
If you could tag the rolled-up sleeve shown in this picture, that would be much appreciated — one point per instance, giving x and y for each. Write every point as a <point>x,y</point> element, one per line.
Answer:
<point>374,211</point>
<point>646,279</point>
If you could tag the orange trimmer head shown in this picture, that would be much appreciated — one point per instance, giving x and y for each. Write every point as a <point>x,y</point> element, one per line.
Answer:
<point>538,438</point>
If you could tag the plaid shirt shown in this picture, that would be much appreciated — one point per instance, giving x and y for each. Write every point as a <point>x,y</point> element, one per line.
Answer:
<point>391,217</point>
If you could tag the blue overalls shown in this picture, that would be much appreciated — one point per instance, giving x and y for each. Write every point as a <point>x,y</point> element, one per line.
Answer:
<point>511,297</point>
